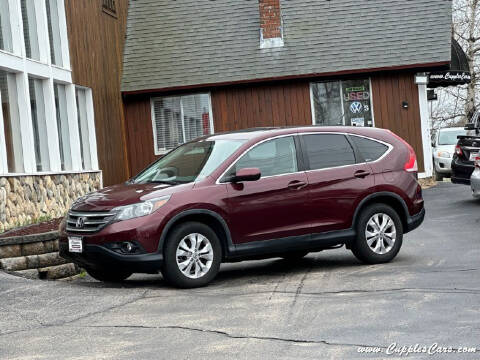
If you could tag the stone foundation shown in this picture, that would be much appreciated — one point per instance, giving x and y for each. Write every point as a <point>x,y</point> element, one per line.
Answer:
<point>32,198</point>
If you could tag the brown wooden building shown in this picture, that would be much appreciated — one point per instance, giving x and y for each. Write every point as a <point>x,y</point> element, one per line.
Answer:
<point>220,66</point>
<point>96,33</point>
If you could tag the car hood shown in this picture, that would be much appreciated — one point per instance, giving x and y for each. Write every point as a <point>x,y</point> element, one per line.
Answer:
<point>125,194</point>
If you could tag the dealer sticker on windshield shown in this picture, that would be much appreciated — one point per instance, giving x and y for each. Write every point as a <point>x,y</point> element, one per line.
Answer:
<point>75,244</point>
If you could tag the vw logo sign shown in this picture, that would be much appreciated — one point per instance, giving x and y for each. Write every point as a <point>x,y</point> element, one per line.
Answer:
<point>356,107</point>
<point>80,222</point>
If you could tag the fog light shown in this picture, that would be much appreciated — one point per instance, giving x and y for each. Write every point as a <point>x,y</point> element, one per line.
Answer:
<point>128,247</point>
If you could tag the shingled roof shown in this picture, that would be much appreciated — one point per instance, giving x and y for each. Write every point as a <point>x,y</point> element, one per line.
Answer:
<point>180,43</point>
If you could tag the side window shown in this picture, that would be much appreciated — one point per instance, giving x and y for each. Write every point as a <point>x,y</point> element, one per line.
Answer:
<point>273,157</point>
<point>327,151</point>
<point>371,150</point>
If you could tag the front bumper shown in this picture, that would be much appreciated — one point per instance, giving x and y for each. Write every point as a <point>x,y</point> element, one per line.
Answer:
<point>98,257</point>
<point>415,221</point>
<point>443,165</point>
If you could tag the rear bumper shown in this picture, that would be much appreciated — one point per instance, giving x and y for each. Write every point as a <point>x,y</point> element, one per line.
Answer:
<point>97,256</point>
<point>461,172</point>
<point>415,221</point>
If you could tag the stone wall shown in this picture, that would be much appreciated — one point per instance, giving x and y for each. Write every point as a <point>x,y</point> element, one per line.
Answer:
<point>31,198</point>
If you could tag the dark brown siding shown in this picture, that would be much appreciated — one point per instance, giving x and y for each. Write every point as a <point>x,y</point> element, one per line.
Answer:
<point>261,105</point>
<point>96,47</point>
<point>389,91</point>
<point>139,133</point>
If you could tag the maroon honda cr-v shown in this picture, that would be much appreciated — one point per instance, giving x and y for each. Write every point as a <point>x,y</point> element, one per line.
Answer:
<point>277,192</point>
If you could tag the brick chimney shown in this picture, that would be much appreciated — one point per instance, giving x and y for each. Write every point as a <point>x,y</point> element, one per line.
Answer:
<point>271,31</point>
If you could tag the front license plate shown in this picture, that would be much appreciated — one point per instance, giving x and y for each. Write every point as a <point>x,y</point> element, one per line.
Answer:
<point>75,244</point>
<point>473,156</point>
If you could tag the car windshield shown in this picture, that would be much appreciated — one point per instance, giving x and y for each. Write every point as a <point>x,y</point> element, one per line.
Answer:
<point>449,137</point>
<point>190,162</point>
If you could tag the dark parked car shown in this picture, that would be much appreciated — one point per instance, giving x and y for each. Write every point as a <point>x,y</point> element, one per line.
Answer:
<point>467,149</point>
<point>251,194</point>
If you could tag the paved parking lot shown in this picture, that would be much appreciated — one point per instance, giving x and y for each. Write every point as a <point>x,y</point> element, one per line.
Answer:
<point>324,307</point>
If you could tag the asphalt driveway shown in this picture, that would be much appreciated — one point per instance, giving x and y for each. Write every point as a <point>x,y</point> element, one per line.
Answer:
<point>324,307</point>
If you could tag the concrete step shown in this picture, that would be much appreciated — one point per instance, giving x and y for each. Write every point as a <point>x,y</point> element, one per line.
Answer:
<point>58,272</point>
<point>31,262</point>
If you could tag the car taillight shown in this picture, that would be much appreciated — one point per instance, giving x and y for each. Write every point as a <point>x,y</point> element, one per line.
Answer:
<point>458,150</point>
<point>411,164</point>
<point>477,162</point>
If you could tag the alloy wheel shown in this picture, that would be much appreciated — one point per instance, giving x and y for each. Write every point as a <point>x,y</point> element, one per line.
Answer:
<point>380,233</point>
<point>194,255</point>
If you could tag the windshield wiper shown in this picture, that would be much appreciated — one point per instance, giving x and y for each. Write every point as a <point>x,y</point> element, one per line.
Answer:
<point>168,182</point>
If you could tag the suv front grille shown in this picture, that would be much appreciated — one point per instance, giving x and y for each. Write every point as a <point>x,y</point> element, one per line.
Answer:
<point>88,222</point>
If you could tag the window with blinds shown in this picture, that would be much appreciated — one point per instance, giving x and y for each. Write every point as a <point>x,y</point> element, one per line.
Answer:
<point>179,119</point>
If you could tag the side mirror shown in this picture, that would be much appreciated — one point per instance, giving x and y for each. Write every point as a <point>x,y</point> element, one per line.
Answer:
<point>247,174</point>
<point>469,126</point>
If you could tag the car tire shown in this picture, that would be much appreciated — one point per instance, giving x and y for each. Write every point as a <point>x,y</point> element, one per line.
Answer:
<point>372,249</point>
<point>294,255</point>
<point>438,176</point>
<point>108,275</point>
<point>192,255</point>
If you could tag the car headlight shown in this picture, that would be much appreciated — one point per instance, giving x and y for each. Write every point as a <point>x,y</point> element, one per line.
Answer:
<point>140,209</point>
<point>444,154</point>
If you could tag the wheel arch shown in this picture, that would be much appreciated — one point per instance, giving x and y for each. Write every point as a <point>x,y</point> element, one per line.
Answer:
<point>215,221</point>
<point>388,198</point>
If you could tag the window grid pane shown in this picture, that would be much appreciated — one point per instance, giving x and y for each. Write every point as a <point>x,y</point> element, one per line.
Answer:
<point>11,124</point>
<point>177,120</point>
<point>62,126</point>
<point>54,32</point>
<point>83,130</point>
<point>5,27</point>
<point>30,29</point>
<point>40,140</point>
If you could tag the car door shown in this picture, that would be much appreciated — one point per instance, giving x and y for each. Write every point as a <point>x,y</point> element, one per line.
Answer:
<point>274,206</point>
<point>336,180</point>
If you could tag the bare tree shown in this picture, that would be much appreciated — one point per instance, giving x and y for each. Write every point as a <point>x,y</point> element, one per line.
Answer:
<point>456,103</point>
<point>466,29</point>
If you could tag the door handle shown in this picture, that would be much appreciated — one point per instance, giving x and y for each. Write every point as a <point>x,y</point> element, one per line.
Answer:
<point>361,174</point>
<point>296,185</point>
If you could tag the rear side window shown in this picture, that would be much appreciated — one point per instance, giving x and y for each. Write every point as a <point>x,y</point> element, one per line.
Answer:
<point>371,150</point>
<point>327,151</point>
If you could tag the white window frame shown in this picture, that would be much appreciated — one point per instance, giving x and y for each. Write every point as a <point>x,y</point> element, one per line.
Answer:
<point>312,104</point>
<point>22,68</point>
<point>160,152</point>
